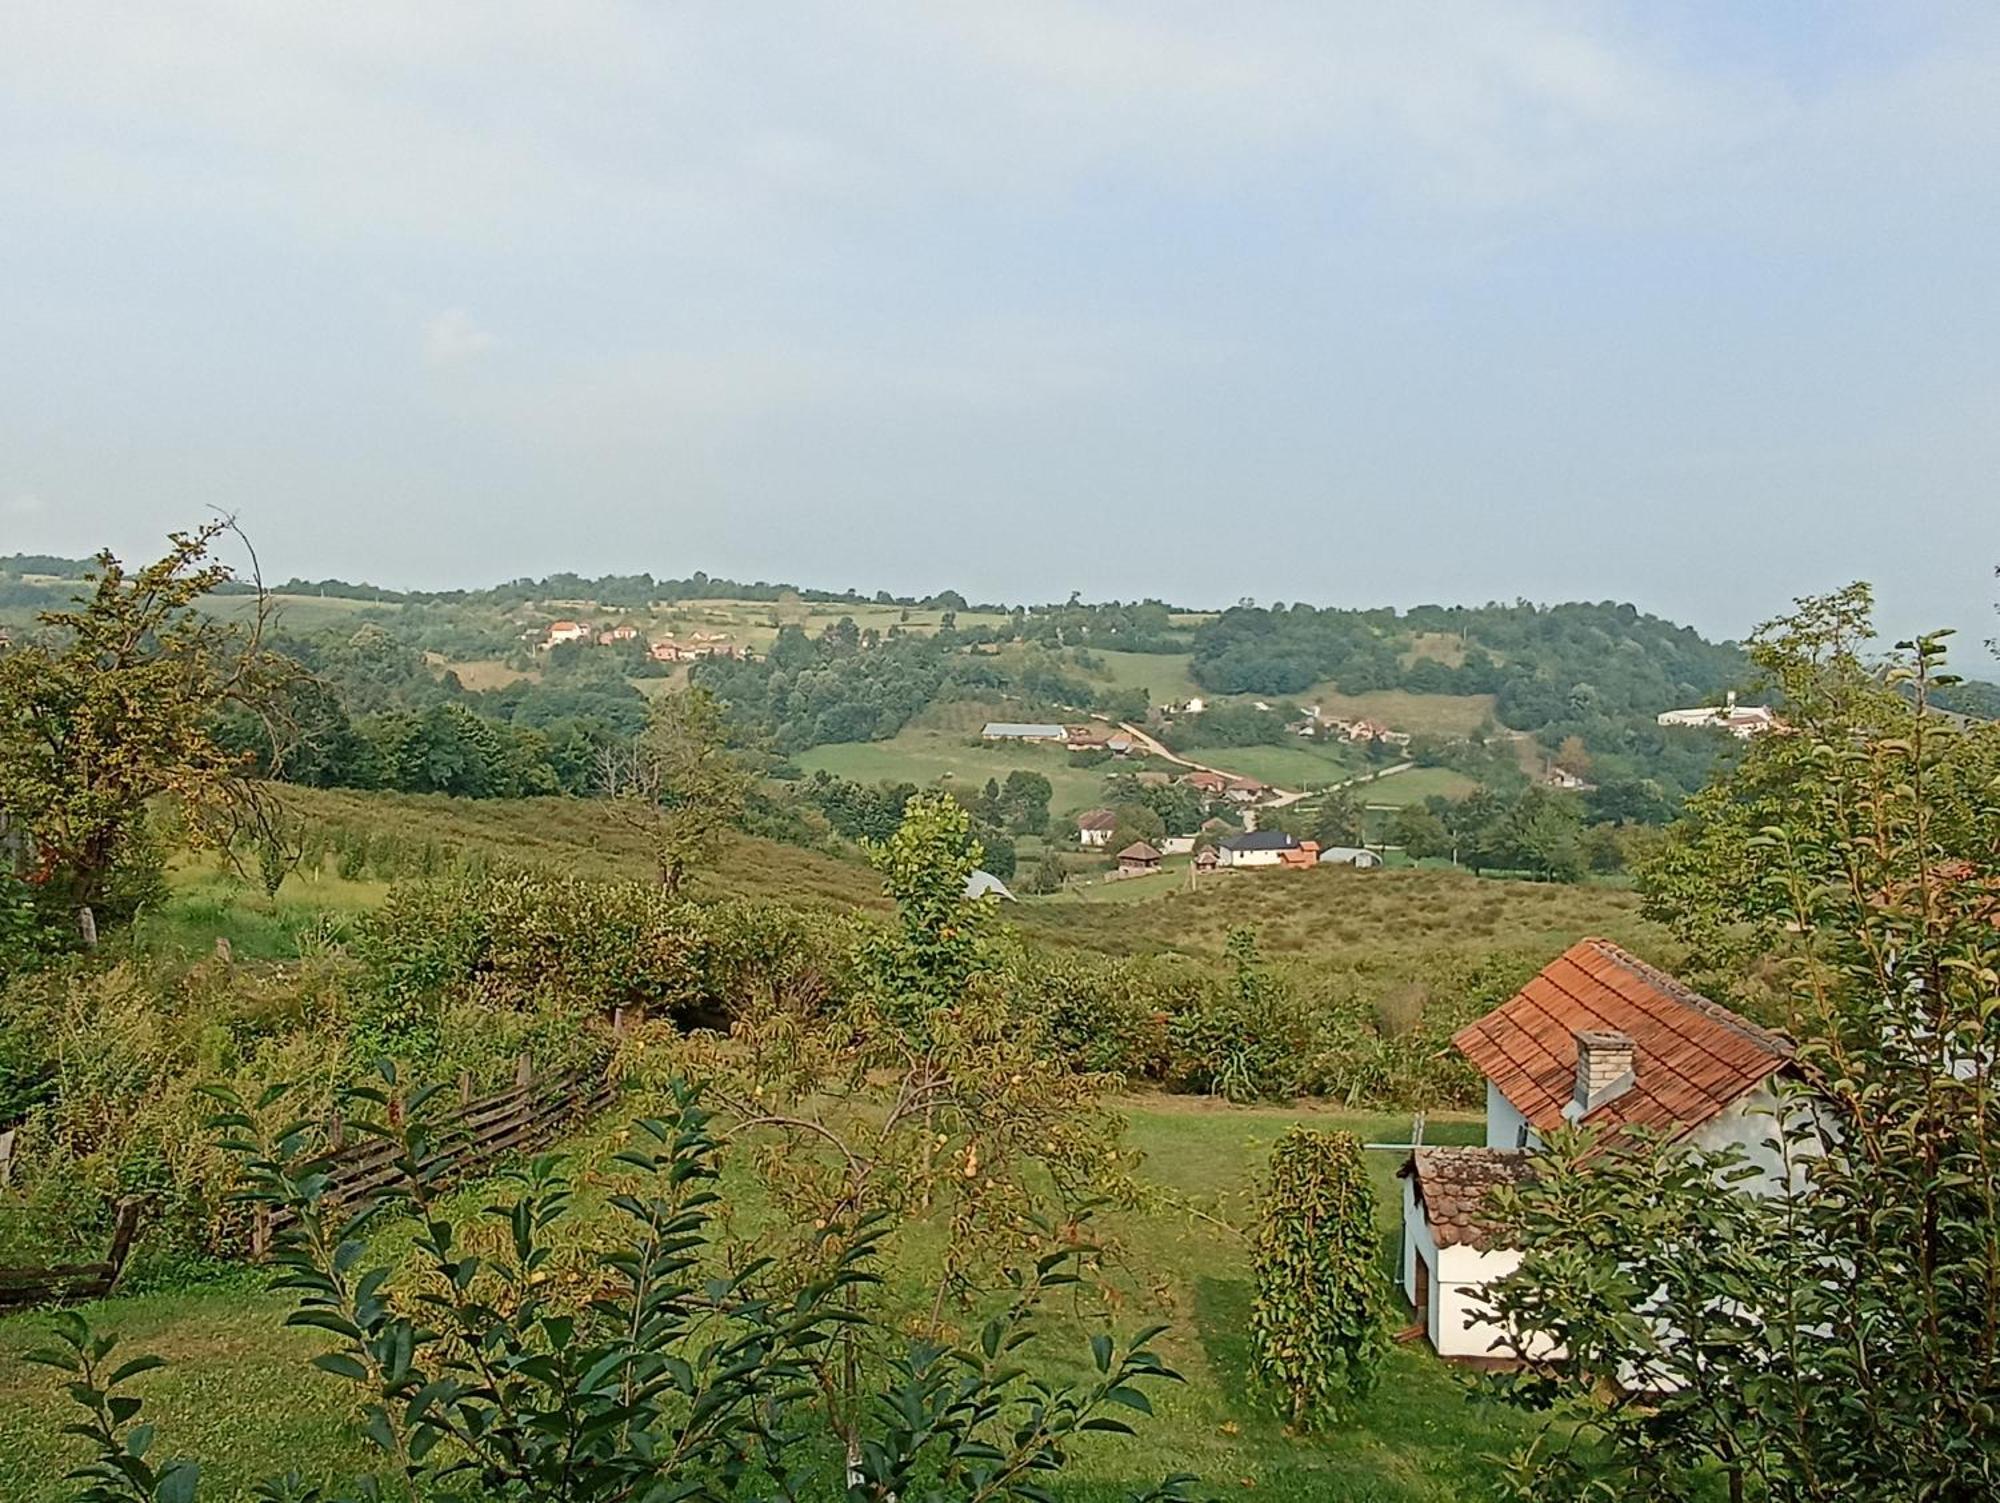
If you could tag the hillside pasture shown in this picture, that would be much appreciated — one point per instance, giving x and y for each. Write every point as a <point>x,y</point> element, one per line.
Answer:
<point>238,1393</point>
<point>1163,675</point>
<point>1300,765</point>
<point>1412,787</point>
<point>925,755</point>
<point>584,837</point>
<point>1365,919</point>
<point>1419,714</point>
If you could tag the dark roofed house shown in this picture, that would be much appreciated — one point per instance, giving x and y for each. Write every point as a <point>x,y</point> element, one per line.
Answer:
<point>1602,1039</point>
<point>1138,857</point>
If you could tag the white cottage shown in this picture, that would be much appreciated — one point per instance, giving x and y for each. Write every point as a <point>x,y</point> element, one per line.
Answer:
<point>1598,1038</point>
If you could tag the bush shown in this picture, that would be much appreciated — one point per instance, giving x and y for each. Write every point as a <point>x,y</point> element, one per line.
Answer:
<point>1316,1323</point>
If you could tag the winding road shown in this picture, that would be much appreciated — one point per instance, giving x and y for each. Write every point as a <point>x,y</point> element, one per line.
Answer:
<point>1280,796</point>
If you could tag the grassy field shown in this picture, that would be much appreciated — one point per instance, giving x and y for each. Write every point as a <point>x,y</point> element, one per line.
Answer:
<point>490,673</point>
<point>1300,766</point>
<point>239,1396</point>
<point>583,836</point>
<point>926,754</point>
<point>1362,917</point>
<point>1400,710</point>
<point>1413,787</point>
<point>1163,675</point>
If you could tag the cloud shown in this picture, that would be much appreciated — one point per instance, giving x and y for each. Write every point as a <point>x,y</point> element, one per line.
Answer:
<point>453,338</point>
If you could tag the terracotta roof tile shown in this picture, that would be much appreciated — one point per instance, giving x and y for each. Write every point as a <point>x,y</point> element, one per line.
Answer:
<point>1452,1184</point>
<point>1692,1057</point>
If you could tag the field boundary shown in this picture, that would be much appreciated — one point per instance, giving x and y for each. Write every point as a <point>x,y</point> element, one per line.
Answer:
<point>525,1115</point>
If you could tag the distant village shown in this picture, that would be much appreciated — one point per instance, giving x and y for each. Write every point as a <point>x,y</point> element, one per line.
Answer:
<point>698,645</point>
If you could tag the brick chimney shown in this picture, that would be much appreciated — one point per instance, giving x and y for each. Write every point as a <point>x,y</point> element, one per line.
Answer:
<point>1603,1070</point>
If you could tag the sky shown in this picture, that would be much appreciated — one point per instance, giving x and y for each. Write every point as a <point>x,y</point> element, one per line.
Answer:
<point>1695,306</point>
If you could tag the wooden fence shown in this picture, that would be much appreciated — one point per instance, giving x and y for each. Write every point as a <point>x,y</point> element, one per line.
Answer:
<point>74,1281</point>
<point>527,1115</point>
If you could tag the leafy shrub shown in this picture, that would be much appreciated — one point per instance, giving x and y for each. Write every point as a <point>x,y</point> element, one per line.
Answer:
<point>1317,1319</point>
<point>658,1383</point>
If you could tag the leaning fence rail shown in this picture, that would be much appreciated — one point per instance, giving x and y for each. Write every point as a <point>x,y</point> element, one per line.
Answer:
<point>526,1115</point>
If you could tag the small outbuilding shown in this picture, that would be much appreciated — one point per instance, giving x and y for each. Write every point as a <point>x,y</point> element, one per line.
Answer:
<point>1349,855</point>
<point>1138,857</point>
<point>1094,827</point>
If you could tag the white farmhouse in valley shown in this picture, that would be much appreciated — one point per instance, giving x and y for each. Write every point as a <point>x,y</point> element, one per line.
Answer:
<point>1256,848</point>
<point>1598,1038</point>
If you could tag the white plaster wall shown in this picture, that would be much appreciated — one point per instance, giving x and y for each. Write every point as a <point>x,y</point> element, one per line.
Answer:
<point>1752,1123</point>
<point>1463,1273</point>
<point>1250,858</point>
<point>1503,1122</point>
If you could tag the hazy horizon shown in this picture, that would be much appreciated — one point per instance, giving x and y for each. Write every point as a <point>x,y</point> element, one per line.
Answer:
<point>1690,308</point>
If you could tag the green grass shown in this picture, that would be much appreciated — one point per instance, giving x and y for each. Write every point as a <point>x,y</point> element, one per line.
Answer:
<point>585,837</point>
<point>238,1394</point>
<point>1414,786</point>
<point>1375,920</point>
<point>1299,766</point>
<point>927,754</point>
<point>1400,710</point>
<point>1163,675</point>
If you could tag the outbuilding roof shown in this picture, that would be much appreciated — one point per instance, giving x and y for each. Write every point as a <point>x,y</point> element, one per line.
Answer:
<point>1691,1057</point>
<point>1097,819</point>
<point>1138,850</point>
<point>1453,1183</point>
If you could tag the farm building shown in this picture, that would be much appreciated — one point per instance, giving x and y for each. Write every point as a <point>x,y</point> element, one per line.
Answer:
<point>1598,1038</point>
<point>1349,855</point>
<point>1011,730</point>
<point>1256,848</point>
<point>1094,827</point>
<point>1138,857</point>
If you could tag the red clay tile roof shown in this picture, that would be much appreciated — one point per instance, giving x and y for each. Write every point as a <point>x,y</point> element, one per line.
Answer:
<point>1452,1184</point>
<point>1691,1057</point>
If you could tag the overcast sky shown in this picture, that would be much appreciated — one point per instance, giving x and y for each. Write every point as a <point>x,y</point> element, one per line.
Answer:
<point>1696,306</point>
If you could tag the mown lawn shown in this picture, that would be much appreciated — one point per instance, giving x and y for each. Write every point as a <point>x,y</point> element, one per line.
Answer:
<point>1412,787</point>
<point>239,1396</point>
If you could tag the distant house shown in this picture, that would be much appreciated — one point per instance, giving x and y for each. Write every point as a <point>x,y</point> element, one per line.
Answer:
<point>703,645</point>
<point>1094,827</point>
<point>1138,857</point>
<point>985,884</point>
<point>1206,860</point>
<point>560,632</point>
<point>1562,777</point>
<point>1349,855</point>
<point>1086,737</point>
<point>1211,784</point>
<point>1011,730</point>
<point>1191,706</point>
<point>1119,744</point>
<point>1304,856</point>
<point>615,634</point>
<point>1244,790</point>
<point>1178,845</point>
<point>1598,1038</point>
<point>1256,848</point>
<point>1741,722</point>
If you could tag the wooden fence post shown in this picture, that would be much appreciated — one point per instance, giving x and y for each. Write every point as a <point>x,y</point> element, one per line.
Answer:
<point>7,1157</point>
<point>524,1071</point>
<point>336,1129</point>
<point>464,1089</point>
<point>260,1232</point>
